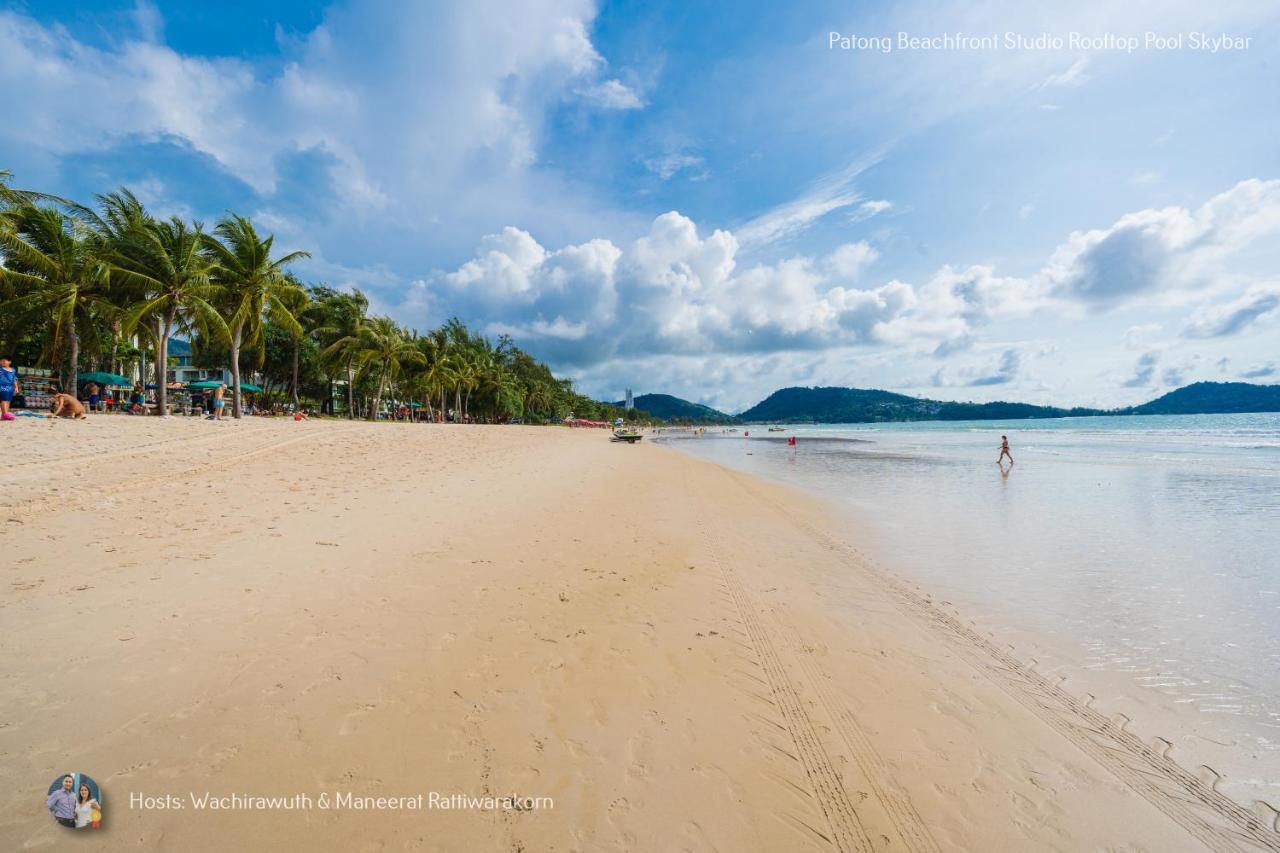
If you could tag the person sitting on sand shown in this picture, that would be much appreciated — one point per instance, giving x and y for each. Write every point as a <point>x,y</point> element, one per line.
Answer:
<point>9,388</point>
<point>1004,450</point>
<point>66,406</point>
<point>94,392</point>
<point>86,805</point>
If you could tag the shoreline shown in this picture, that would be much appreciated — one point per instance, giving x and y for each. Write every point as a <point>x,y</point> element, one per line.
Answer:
<point>651,640</point>
<point>996,550</point>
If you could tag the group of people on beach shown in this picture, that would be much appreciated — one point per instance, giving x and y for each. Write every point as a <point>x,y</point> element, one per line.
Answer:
<point>64,405</point>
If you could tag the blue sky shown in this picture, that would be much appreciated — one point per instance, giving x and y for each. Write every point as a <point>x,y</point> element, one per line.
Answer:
<point>714,203</point>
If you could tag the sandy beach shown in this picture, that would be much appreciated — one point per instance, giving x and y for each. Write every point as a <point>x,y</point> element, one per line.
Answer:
<point>659,645</point>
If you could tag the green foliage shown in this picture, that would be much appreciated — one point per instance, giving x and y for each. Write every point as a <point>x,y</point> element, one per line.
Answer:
<point>1214,398</point>
<point>858,405</point>
<point>108,286</point>
<point>674,410</point>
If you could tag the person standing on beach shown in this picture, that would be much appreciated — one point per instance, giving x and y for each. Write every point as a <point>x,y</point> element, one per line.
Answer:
<point>8,388</point>
<point>1004,450</point>
<point>94,392</point>
<point>62,803</point>
<point>218,403</point>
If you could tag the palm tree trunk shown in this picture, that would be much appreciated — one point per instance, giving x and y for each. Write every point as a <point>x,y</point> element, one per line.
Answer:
<point>297,348</point>
<point>115,345</point>
<point>162,362</point>
<point>351,392</point>
<point>72,385</point>
<point>162,379</point>
<point>377,401</point>
<point>236,333</point>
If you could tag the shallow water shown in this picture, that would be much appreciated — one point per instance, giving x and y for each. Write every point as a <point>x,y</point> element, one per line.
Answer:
<point>1144,552</point>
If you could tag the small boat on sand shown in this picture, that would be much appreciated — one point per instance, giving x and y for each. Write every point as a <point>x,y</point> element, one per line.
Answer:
<point>630,436</point>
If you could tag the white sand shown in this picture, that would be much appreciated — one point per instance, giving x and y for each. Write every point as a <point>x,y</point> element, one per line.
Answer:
<point>272,608</point>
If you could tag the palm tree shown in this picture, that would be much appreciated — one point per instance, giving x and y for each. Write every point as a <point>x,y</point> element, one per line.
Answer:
<point>165,263</point>
<point>501,383</point>
<point>540,397</point>
<point>297,302</point>
<point>384,349</point>
<point>429,378</point>
<point>54,269</point>
<point>14,197</point>
<point>346,315</point>
<point>252,286</point>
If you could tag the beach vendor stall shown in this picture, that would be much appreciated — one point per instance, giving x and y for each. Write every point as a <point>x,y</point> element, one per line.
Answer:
<point>115,385</point>
<point>36,384</point>
<point>179,399</point>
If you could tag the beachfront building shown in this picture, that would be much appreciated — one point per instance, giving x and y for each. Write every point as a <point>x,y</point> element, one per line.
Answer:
<point>182,371</point>
<point>631,400</point>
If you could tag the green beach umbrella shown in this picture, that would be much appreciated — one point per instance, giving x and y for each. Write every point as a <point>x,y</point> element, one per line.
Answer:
<point>105,378</point>
<point>206,384</point>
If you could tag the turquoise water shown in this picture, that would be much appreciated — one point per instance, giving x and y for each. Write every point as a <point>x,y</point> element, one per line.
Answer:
<point>1140,554</point>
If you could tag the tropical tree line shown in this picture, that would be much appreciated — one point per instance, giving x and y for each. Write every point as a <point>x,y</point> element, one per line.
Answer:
<point>109,286</point>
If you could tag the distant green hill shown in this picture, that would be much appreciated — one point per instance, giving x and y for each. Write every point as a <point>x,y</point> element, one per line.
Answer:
<point>861,405</point>
<point>870,405</point>
<point>670,408</point>
<point>1203,398</point>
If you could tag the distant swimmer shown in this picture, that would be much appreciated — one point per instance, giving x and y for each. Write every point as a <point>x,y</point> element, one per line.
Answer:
<point>1004,450</point>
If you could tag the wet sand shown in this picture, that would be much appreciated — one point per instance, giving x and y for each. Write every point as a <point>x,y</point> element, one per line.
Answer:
<point>658,644</point>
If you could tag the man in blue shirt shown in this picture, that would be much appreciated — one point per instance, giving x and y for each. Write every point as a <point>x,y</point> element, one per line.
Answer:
<point>62,803</point>
<point>8,387</point>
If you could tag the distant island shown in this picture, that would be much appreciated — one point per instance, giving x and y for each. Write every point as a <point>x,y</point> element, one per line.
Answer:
<point>866,405</point>
<point>673,409</point>
<point>1213,398</point>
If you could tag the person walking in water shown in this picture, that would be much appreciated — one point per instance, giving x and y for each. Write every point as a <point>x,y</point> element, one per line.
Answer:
<point>1004,450</point>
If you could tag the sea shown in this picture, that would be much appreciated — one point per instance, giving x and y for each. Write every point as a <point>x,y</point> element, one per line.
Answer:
<point>1137,556</point>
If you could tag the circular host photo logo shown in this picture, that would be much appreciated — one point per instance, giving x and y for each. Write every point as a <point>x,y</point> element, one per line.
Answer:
<point>75,801</point>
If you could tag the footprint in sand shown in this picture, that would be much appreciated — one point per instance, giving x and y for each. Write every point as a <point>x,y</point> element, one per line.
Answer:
<point>352,720</point>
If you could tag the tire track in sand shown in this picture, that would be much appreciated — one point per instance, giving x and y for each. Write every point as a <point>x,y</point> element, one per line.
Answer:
<point>845,831</point>
<point>89,493</point>
<point>1214,819</point>
<point>912,829</point>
